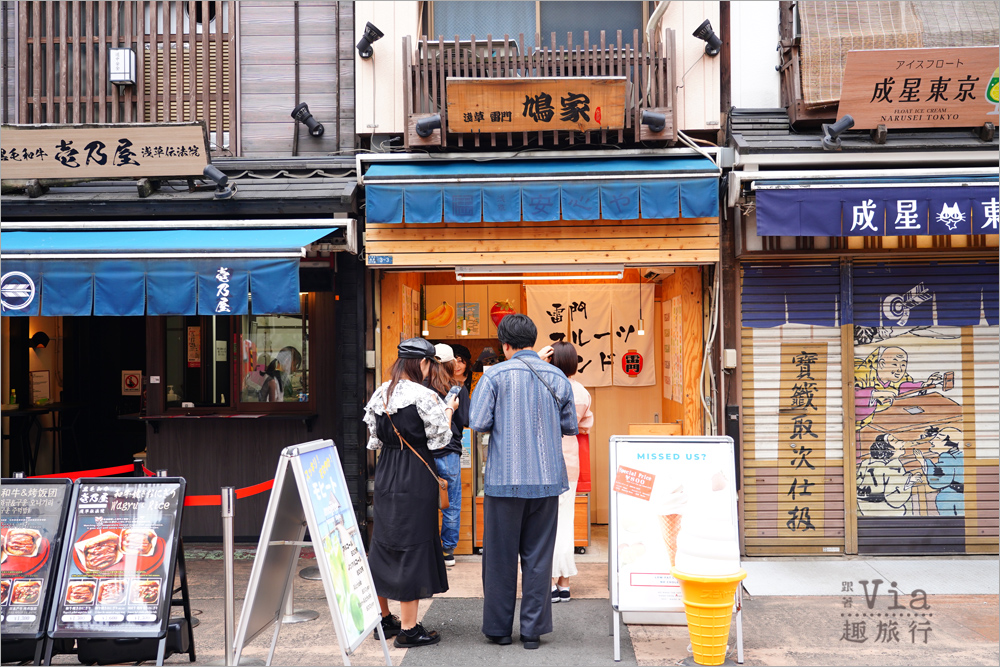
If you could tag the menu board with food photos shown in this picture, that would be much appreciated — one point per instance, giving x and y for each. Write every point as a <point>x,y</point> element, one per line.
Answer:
<point>32,519</point>
<point>118,560</point>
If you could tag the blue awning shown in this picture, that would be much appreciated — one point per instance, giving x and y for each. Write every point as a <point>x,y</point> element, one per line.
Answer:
<point>886,208</point>
<point>153,272</point>
<point>542,190</point>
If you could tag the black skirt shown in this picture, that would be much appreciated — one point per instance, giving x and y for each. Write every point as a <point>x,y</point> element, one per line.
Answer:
<point>405,557</point>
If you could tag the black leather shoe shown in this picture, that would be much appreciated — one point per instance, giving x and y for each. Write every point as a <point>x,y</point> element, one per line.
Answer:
<point>531,642</point>
<point>390,626</point>
<point>502,641</point>
<point>416,636</point>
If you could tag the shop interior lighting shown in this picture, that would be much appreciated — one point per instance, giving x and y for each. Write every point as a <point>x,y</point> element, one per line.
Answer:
<point>425,330</point>
<point>712,42</point>
<point>465,326</point>
<point>549,272</point>
<point>371,35</point>
<point>832,132</point>
<point>642,328</point>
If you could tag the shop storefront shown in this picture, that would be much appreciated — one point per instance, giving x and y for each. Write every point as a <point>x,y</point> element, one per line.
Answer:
<point>869,353</point>
<point>614,255</point>
<point>204,333</point>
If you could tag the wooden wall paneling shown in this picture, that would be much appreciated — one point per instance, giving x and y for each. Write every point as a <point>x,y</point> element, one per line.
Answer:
<point>63,60</point>
<point>391,321</point>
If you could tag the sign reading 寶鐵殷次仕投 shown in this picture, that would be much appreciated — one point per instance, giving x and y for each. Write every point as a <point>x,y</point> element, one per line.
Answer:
<point>103,151</point>
<point>514,104</point>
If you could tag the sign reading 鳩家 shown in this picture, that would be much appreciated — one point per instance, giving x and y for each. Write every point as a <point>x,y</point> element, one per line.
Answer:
<point>102,151</point>
<point>907,88</point>
<point>547,103</point>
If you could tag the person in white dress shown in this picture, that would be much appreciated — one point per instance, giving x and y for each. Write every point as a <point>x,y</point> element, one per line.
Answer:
<point>564,357</point>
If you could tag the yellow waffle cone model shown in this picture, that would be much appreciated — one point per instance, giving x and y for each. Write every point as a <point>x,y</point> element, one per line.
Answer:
<point>708,605</point>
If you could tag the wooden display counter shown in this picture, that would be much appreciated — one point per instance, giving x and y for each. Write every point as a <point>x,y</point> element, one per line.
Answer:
<point>581,522</point>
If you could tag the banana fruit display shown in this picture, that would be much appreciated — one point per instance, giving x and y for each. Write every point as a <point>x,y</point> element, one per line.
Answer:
<point>441,316</point>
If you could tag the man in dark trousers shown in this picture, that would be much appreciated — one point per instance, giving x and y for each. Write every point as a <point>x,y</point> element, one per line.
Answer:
<point>526,405</point>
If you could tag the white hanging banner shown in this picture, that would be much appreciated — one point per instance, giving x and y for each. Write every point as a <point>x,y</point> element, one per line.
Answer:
<point>548,308</point>
<point>590,332</point>
<point>634,355</point>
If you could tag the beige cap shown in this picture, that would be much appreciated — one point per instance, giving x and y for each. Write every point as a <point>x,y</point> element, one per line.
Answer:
<point>443,353</point>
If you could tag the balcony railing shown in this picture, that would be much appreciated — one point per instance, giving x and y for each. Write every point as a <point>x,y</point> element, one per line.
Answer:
<point>185,66</point>
<point>649,73</point>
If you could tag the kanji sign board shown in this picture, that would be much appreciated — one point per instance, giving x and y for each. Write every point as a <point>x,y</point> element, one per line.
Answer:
<point>909,88</point>
<point>515,104</point>
<point>103,151</point>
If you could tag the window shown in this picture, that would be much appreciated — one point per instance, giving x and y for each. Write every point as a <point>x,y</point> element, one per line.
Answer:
<point>512,18</point>
<point>250,363</point>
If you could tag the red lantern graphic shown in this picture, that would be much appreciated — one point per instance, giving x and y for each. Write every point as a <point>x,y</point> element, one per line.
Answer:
<point>632,363</point>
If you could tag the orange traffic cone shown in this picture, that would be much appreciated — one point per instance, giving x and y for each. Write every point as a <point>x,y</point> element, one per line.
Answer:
<point>708,604</point>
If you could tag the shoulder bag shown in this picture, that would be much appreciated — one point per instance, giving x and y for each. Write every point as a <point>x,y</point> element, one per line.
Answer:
<point>540,379</point>
<point>443,502</point>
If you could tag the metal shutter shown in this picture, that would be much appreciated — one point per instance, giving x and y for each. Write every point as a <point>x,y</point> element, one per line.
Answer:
<point>793,434</point>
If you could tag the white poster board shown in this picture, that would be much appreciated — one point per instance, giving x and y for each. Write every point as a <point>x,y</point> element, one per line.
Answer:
<point>659,483</point>
<point>314,495</point>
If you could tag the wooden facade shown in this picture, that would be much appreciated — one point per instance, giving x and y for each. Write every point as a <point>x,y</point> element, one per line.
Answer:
<point>631,242</point>
<point>650,72</point>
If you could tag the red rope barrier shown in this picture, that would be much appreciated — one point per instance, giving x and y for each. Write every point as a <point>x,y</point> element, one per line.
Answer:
<point>100,472</point>
<point>189,501</point>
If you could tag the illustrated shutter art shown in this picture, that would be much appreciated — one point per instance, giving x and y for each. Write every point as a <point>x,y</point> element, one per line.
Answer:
<point>926,394</point>
<point>793,435</point>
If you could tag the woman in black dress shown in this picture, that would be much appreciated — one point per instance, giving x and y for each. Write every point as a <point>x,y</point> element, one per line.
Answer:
<point>405,556</point>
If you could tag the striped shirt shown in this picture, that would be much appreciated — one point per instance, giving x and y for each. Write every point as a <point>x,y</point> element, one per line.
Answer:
<point>526,426</point>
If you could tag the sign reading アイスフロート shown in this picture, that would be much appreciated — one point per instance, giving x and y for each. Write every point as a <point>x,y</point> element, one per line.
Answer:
<point>32,515</point>
<point>514,104</point>
<point>118,564</point>
<point>102,151</point>
<point>952,87</point>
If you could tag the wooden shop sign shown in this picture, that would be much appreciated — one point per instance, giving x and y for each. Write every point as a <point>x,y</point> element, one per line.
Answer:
<point>912,88</point>
<point>514,104</point>
<point>103,151</point>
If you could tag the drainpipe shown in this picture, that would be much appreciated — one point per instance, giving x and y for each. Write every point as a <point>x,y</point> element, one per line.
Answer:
<point>295,137</point>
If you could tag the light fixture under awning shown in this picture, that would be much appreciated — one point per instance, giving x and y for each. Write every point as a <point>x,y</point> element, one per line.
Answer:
<point>542,190</point>
<point>545,271</point>
<point>153,272</point>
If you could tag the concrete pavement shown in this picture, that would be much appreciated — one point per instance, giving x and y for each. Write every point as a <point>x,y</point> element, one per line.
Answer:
<point>778,629</point>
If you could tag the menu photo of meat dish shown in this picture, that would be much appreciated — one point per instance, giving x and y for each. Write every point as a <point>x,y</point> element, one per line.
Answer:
<point>80,592</point>
<point>26,592</point>
<point>4,590</point>
<point>145,591</point>
<point>138,541</point>
<point>111,591</point>
<point>22,542</point>
<point>98,552</point>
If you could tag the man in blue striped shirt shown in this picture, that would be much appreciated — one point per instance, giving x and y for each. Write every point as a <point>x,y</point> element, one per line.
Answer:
<point>526,405</point>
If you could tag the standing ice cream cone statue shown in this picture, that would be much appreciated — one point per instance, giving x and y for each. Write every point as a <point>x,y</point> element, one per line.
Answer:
<point>708,568</point>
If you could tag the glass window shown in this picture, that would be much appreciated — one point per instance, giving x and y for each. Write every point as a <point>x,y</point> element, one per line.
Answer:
<point>591,17</point>
<point>274,352</point>
<point>484,18</point>
<point>197,364</point>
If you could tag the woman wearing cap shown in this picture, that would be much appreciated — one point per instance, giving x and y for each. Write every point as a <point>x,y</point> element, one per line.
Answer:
<point>448,459</point>
<point>563,356</point>
<point>405,555</point>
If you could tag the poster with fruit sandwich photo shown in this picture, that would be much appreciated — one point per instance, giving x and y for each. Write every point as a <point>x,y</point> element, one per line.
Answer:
<point>120,554</point>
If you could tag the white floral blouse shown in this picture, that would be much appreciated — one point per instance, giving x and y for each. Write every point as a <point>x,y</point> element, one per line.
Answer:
<point>429,406</point>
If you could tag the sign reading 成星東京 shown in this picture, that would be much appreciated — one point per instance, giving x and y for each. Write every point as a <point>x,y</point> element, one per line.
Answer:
<point>513,104</point>
<point>910,88</point>
<point>103,151</point>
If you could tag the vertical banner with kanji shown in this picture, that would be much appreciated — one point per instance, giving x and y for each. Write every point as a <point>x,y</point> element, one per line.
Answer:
<point>548,308</point>
<point>801,449</point>
<point>635,354</point>
<point>590,333</point>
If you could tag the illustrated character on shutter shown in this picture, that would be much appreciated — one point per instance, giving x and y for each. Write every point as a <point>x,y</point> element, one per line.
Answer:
<point>884,485</point>
<point>946,471</point>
